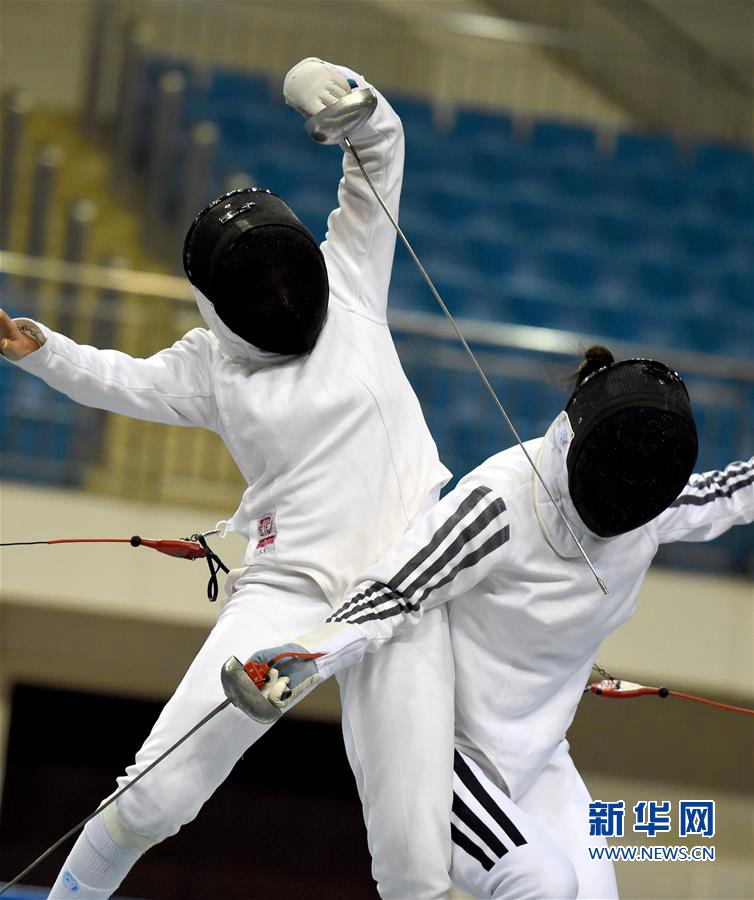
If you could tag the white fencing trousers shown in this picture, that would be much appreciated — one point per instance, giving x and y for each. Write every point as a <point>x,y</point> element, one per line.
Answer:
<point>498,850</point>
<point>398,731</point>
<point>559,801</point>
<point>530,850</point>
<point>399,703</point>
<point>268,607</point>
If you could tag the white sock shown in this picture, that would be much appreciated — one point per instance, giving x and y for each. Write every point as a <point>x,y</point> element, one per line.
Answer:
<point>95,866</point>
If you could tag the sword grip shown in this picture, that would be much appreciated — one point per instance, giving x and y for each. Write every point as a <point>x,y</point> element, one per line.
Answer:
<point>258,673</point>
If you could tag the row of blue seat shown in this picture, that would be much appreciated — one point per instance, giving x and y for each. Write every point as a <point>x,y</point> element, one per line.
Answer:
<point>548,305</point>
<point>647,279</point>
<point>483,175</point>
<point>228,88</point>
<point>701,226</point>
<point>598,230</point>
<point>264,139</point>
<point>651,167</point>
<point>637,244</point>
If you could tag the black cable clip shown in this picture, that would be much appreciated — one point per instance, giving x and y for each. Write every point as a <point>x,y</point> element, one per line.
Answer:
<point>215,565</point>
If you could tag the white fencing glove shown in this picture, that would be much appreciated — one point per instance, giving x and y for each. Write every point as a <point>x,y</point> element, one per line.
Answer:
<point>336,644</point>
<point>312,84</point>
<point>289,677</point>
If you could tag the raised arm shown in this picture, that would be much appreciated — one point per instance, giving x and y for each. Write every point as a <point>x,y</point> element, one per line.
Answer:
<point>710,504</point>
<point>173,387</point>
<point>445,554</point>
<point>360,240</point>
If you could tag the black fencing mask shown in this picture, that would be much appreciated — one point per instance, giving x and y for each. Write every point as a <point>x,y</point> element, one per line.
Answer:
<point>261,270</point>
<point>634,445</point>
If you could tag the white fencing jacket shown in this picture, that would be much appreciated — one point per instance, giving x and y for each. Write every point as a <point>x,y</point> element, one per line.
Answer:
<point>527,616</point>
<point>333,445</point>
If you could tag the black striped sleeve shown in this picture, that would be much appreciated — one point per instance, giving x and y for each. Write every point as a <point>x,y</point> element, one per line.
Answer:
<point>714,486</point>
<point>464,533</point>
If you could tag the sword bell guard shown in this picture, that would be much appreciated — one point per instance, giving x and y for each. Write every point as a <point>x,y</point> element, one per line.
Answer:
<point>244,694</point>
<point>334,123</point>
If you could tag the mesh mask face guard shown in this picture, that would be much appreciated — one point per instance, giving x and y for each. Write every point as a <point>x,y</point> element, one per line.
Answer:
<point>634,445</point>
<point>261,270</point>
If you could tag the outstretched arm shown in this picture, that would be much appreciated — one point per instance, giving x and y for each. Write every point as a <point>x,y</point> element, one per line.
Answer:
<point>173,387</point>
<point>710,504</point>
<point>443,556</point>
<point>360,240</point>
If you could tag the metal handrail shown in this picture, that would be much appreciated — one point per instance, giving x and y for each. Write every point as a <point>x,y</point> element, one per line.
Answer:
<point>130,281</point>
<point>483,333</point>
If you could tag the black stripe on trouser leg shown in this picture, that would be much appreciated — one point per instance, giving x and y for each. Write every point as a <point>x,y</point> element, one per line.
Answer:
<point>437,538</point>
<point>472,821</point>
<point>470,781</point>
<point>459,838</point>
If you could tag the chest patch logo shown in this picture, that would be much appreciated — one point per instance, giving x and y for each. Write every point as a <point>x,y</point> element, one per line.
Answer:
<point>266,532</point>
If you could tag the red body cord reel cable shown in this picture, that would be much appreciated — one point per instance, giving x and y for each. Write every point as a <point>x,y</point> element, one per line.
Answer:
<point>195,547</point>
<point>616,689</point>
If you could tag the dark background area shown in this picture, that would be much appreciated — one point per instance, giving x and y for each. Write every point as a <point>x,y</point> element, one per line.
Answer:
<point>288,814</point>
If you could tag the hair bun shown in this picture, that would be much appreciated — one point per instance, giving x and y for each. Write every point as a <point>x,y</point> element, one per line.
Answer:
<point>595,358</point>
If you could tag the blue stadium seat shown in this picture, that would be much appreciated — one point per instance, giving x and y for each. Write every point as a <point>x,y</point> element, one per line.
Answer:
<point>496,162</point>
<point>39,433</point>
<point>450,199</point>
<point>736,287</point>
<point>578,183</point>
<point>428,151</point>
<point>489,256</point>
<point>408,290</point>
<point>659,190</point>
<point>455,281</point>
<point>564,140</point>
<point>532,210</point>
<point>530,299</point>
<point>702,236</point>
<point>617,223</point>
<point>572,267</point>
<point>662,278</point>
<point>412,110</point>
<point>481,124</point>
<point>245,124</point>
<point>731,199</point>
<point>312,204</point>
<point>724,162</point>
<point>705,332</point>
<point>648,151</point>
<point>414,221</point>
<point>230,85</point>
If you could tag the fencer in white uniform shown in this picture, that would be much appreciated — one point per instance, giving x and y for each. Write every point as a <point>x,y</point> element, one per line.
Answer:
<point>307,392</point>
<point>527,617</point>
